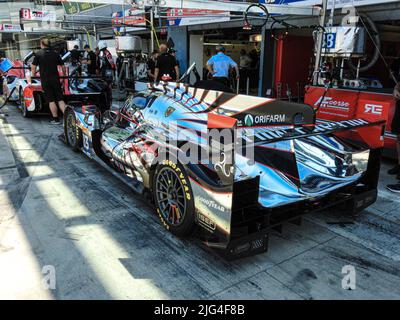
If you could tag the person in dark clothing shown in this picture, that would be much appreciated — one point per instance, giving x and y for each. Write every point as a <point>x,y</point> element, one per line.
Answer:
<point>172,52</point>
<point>166,66</point>
<point>75,59</point>
<point>107,68</point>
<point>48,60</point>
<point>75,55</point>
<point>97,53</point>
<point>151,65</point>
<point>90,61</point>
<point>119,62</point>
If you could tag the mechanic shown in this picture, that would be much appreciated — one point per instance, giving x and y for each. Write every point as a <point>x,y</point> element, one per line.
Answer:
<point>219,66</point>
<point>244,68</point>
<point>89,60</point>
<point>75,59</point>
<point>119,63</point>
<point>48,60</point>
<point>172,52</point>
<point>166,67</point>
<point>396,130</point>
<point>107,67</point>
<point>151,65</point>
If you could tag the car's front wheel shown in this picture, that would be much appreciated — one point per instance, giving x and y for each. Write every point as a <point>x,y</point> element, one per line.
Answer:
<point>73,134</point>
<point>174,198</point>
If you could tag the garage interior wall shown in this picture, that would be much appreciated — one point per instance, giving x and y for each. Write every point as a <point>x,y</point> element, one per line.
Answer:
<point>179,35</point>
<point>196,53</point>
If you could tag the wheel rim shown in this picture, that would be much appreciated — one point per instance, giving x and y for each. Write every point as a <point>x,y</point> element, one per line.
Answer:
<point>170,196</point>
<point>71,131</point>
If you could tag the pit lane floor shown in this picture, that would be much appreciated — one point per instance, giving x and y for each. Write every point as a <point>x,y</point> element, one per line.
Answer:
<point>60,210</point>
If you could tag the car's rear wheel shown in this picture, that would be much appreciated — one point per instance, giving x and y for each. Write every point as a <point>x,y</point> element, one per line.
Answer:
<point>73,134</point>
<point>174,198</point>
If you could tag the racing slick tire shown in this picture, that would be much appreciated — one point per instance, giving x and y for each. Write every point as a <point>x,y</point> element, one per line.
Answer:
<point>173,198</point>
<point>73,134</point>
<point>21,102</point>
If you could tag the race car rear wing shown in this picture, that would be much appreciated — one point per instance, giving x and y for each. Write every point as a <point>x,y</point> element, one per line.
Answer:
<point>264,135</point>
<point>269,134</point>
<point>242,226</point>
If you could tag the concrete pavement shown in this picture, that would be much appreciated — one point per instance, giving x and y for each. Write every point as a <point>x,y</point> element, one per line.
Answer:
<point>60,210</point>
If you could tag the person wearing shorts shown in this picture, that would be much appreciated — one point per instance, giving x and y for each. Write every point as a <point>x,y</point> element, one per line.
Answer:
<point>48,61</point>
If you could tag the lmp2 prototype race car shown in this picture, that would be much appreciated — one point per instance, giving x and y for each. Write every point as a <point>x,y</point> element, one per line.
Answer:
<point>27,91</point>
<point>229,167</point>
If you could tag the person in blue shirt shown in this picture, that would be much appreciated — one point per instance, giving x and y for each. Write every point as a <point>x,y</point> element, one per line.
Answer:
<point>219,66</point>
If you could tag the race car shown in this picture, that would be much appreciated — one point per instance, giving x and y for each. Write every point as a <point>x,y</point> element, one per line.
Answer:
<point>15,82</point>
<point>228,168</point>
<point>28,92</point>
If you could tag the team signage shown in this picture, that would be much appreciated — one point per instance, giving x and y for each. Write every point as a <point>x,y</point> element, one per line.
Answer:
<point>10,28</point>
<point>129,20</point>
<point>36,15</point>
<point>338,3</point>
<point>186,17</point>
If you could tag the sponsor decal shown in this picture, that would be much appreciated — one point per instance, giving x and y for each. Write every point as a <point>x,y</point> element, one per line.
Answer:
<point>206,221</point>
<point>212,204</point>
<point>329,102</point>
<point>10,28</point>
<point>169,111</point>
<point>373,109</point>
<point>250,120</point>
<point>223,166</point>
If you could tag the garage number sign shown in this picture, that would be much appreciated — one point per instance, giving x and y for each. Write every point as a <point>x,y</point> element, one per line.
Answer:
<point>329,41</point>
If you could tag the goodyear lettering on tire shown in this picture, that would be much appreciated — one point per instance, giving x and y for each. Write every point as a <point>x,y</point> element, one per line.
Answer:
<point>184,182</point>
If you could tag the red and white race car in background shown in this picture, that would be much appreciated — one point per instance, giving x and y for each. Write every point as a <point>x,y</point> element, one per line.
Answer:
<point>27,91</point>
<point>15,82</point>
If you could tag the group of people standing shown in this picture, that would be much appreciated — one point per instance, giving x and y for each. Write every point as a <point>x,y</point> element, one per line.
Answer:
<point>98,62</point>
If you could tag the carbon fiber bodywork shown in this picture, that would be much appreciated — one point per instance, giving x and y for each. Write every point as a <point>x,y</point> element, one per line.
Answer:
<point>294,166</point>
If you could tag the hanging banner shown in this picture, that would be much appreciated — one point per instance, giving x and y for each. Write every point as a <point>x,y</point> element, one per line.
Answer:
<point>36,15</point>
<point>338,3</point>
<point>187,17</point>
<point>10,28</point>
<point>71,7</point>
<point>129,20</point>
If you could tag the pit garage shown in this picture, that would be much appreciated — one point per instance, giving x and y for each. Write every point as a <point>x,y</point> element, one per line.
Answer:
<point>271,186</point>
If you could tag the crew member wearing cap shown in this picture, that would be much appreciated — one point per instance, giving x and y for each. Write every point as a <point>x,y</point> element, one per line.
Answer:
<point>220,64</point>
